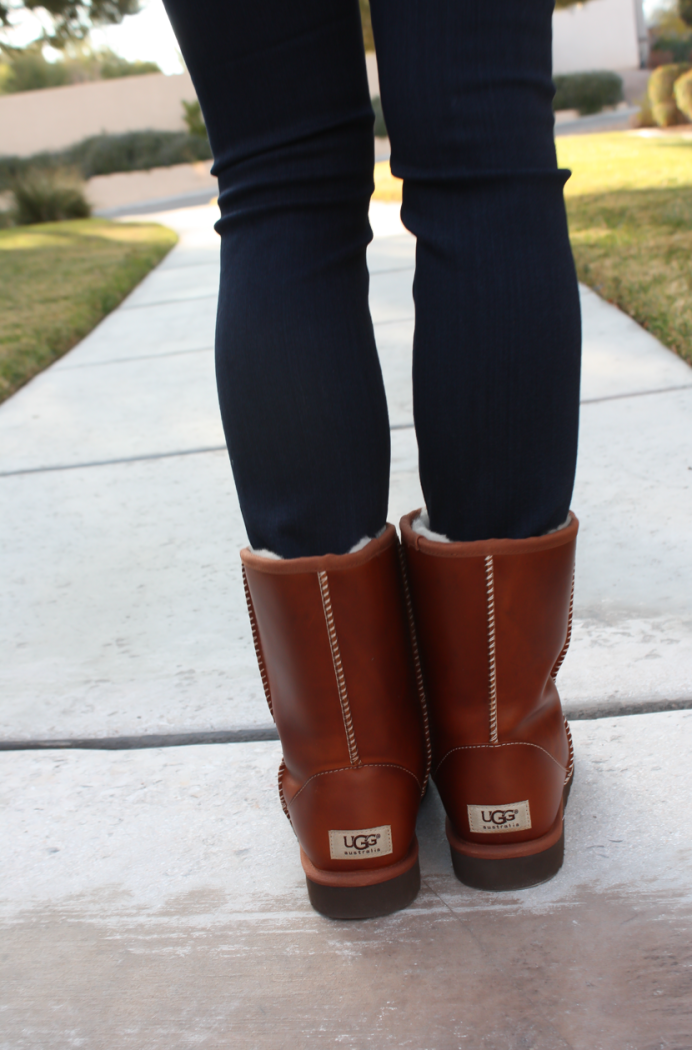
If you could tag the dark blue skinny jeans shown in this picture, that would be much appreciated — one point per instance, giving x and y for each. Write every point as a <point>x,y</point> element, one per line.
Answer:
<point>466,90</point>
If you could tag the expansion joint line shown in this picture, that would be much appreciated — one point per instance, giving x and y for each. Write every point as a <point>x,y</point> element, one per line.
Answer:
<point>492,658</point>
<point>256,643</point>
<point>353,755</point>
<point>418,670</point>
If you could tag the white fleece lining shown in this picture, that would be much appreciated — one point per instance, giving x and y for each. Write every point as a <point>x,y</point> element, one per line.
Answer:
<point>421,525</point>
<point>354,549</point>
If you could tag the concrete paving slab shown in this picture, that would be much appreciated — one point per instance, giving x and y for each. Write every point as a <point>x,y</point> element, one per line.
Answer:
<point>146,552</point>
<point>162,397</point>
<point>177,283</point>
<point>141,406</point>
<point>121,611</point>
<point>155,898</point>
<point>622,358</point>
<point>124,612</point>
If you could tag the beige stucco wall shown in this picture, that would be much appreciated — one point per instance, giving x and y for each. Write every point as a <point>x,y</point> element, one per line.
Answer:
<point>601,34</point>
<point>136,187</point>
<point>58,117</point>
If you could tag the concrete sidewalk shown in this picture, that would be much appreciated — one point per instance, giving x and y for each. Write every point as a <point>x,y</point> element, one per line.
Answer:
<point>154,897</point>
<point>121,527</point>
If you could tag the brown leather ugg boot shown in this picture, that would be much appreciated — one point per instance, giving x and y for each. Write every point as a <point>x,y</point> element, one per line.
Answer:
<point>333,643</point>
<point>493,620</point>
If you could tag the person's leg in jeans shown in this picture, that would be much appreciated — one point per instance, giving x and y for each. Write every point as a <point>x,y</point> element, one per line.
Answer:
<point>284,94</point>
<point>467,91</point>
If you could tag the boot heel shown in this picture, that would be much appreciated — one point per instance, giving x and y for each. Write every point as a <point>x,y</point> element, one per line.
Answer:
<point>365,902</point>
<point>510,873</point>
<point>363,894</point>
<point>512,867</point>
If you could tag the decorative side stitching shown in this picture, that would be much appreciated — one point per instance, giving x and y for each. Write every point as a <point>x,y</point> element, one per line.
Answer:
<point>282,770</point>
<point>345,769</point>
<point>492,658</point>
<point>418,670</point>
<point>256,643</point>
<point>484,747</point>
<point>563,653</point>
<point>570,768</point>
<point>338,669</point>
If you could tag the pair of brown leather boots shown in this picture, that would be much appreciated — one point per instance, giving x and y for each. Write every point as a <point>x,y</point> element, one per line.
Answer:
<point>349,647</point>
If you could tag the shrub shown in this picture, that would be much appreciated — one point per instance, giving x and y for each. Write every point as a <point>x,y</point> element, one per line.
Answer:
<point>682,89</point>
<point>113,66</point>
<point>645,117</point>
<point>28,71</point>
<point>194,120</point>
<point>105,154</point>
<point>660,91</point>
<point>679,49</point>
<point>587,92</point>
<point>48,196</point>
<point>380,126</point>
<point>135,151</point>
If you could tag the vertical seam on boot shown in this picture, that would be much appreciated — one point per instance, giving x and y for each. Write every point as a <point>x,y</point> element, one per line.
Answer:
<point>338,669</point>
<point>418,670</point>
<point>570,765</point>
<point>568,638</point>
<point>492,656</point>
<point>256,642</point>
<point>284,806</point>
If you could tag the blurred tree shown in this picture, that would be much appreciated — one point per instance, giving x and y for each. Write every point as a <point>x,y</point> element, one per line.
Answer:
<point>70,19</point>
<point>28,70</point>
<point>685,9</point>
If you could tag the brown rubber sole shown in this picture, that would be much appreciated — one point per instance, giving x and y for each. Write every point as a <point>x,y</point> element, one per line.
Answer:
<point>365,902</point>
<point>363,894</point>
<point>485,867</point>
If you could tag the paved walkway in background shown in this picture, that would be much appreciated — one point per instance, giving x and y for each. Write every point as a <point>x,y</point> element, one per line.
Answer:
<point>154,897</point>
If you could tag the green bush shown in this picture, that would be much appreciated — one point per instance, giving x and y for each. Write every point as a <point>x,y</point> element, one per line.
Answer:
<point>587,92</point>
<point>660,91</point>
<point>113,66</point>
<point>645,117</point>
<point>28,71</point>
<point>679,49</point>
<point>136,151</point>
<point>194,120</point>
<point>45,195</point>
<point>105,154</point>
<point>682,89</point>
<point>380,126</point>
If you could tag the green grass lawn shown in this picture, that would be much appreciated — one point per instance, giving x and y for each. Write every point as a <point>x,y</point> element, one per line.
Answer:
<point>57,280</point>
<point>629,203</point>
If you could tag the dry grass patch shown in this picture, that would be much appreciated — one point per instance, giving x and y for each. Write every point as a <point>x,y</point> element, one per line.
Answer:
<point>58,280</point>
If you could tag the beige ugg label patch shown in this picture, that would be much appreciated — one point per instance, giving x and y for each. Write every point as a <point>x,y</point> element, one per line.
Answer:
<point>515,816</point>
<point>368,842</point>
